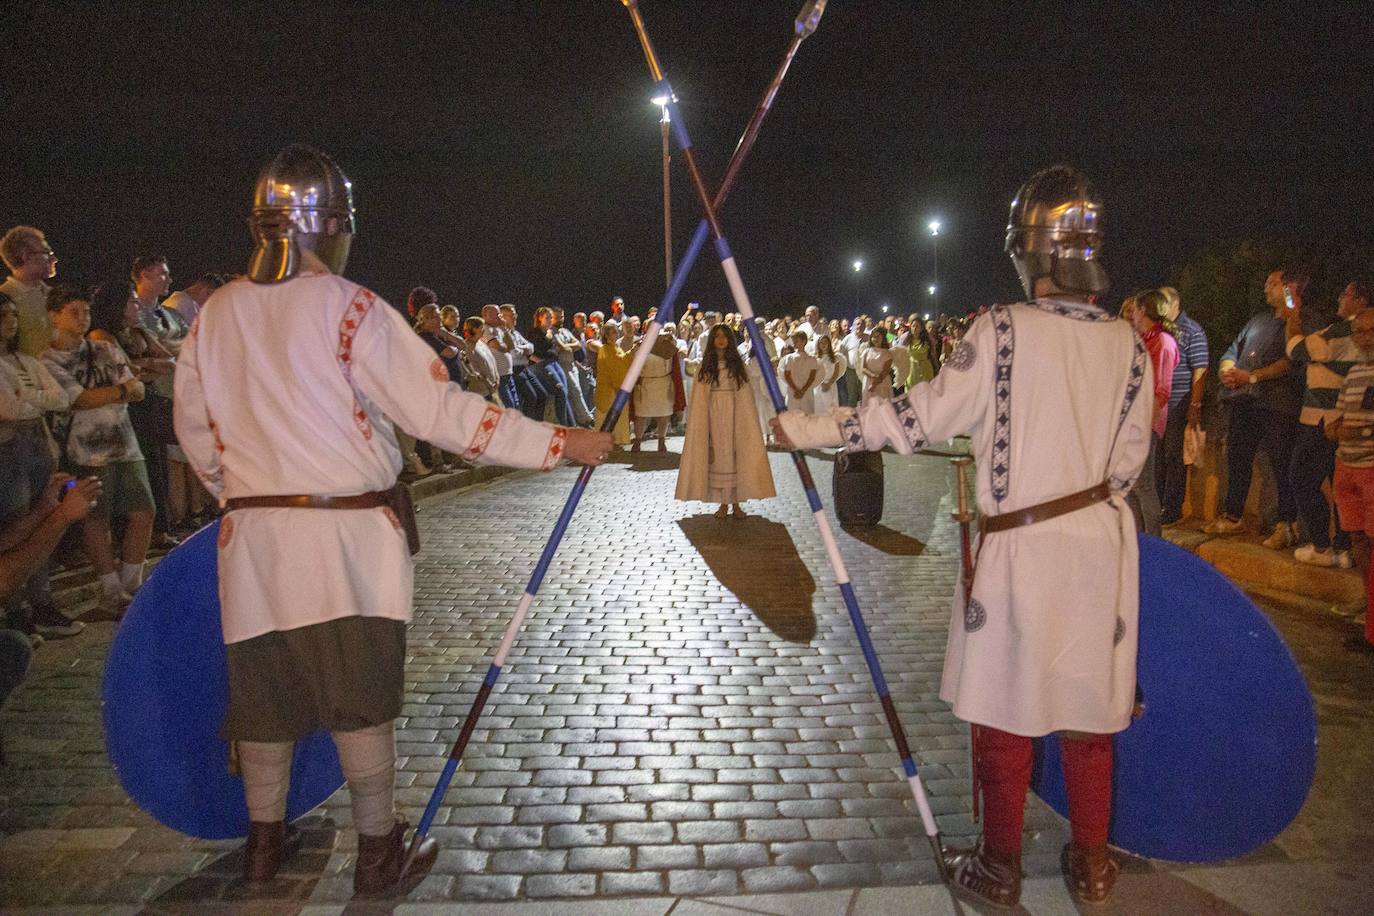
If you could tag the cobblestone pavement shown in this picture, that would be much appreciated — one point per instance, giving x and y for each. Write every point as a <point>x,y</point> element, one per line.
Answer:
<point>686,714</point>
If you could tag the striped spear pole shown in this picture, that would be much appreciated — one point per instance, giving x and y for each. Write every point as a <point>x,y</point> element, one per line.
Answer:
<point>741,300</point>
<point>806,23</point>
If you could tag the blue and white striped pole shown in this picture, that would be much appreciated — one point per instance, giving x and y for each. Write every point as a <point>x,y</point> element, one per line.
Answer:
<point>805,24</point>
<point>832,551</point>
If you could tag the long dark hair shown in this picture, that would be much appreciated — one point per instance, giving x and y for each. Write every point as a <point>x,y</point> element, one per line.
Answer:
<point>710,363</point>
<point>107,307</point>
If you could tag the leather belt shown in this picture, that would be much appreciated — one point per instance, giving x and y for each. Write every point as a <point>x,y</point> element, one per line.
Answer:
<point>1041,512</point>
<point>398,498</point>
<point>374,500</point>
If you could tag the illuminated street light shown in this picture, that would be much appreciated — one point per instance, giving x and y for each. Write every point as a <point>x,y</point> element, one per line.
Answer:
<point>926,316</point>
<point>931,289</point>
<point>662,102</point>
<point>884,308</point>
<point>858,266</point>
<point>934,226</point>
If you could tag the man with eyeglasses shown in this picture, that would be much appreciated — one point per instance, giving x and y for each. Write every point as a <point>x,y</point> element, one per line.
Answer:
<point>31,264</point>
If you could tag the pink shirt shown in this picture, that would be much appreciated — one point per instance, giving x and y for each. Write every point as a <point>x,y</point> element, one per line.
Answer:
<point>1163,350</point>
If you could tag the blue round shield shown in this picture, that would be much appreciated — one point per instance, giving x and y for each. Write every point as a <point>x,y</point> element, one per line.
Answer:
<point>1225,751</point>
<point>165,694</point>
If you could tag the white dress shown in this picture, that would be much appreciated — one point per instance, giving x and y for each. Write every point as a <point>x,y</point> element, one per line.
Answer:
<point>1048,641</point>
<point>798,367</point>
<point>831,367</point>
<point>879,362</point>
<point>308,409</point>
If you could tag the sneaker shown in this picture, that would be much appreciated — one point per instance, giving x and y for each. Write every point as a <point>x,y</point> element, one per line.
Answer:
<point>1314,557</point>
<point>1285,535</point>
<point>1343,559</point>
<point>111,605</point>
<point>53,624</point>
<point>1224,524</point>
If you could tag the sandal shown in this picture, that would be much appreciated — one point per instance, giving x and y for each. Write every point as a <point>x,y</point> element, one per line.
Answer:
<point>985,876</point>
<point>739,511</point>
<point>1092,872</point>
<point>662,446</point>
<point>722,512</point>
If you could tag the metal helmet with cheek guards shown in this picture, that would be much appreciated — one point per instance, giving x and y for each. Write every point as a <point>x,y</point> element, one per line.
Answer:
<point>302,200</point>
<point>1054,232</point>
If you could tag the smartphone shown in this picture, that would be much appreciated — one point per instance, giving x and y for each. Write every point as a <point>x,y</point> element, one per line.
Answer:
<point>69,485</point>
<point>1288,297</point>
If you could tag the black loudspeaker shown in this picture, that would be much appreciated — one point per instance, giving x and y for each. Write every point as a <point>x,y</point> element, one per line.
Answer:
<point>858,486</point>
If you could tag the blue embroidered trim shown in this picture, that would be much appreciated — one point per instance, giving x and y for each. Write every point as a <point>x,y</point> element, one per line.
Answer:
<point>1001,430</point>
<point>963,356</point>
<point>1136,379</point>
<point>975,615</point>
<point>852,433</point>
<point>1077,311</point>
<point>911,426</point>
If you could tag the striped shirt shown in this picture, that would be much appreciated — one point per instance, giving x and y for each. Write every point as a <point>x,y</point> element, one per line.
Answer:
<point>1192,354</point>
<point>1356,410</point>
<point>1329,354</point>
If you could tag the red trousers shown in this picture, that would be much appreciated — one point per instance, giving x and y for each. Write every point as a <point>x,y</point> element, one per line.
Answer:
<point>1003,765</point>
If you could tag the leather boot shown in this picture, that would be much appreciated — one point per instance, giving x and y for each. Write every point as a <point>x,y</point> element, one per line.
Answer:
<point>1092,872</point>
<point>269,845</point>
<point>985,876</point>
<point>380,859</point>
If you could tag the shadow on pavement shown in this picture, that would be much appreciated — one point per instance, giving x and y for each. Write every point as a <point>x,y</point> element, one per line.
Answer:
<point>221,881</point>
<point>889,540</point>
<point>756,560</point>
<point>648,461</point>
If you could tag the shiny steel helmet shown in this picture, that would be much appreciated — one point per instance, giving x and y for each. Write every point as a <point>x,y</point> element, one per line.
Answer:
<point>1053,232</point>
<point>302,200</point>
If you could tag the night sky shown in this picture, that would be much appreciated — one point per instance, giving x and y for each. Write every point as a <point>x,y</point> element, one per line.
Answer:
<point>508,151</point>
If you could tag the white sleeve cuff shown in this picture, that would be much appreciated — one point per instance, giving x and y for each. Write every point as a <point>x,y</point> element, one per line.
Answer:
<point>805,431</point>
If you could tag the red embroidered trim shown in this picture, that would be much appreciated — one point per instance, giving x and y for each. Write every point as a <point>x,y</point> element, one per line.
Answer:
<point>438,371</point>
<point>485,430</point>
<point>556,447</point>
<point>348,329</point>
<point>214,431</point>
<point>226,531</point>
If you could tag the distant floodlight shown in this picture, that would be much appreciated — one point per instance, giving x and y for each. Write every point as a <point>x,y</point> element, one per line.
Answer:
<point>660,100</point>
<point>884,309</point>
<point>858,266</point>
<point>931,289</point>
<point>927,317</point>
<point>934,226</point>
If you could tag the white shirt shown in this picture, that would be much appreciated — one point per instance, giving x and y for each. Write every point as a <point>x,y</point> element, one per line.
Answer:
<point>796,368</point>
<point>1056,397</point>
<point>850,346</point>
<point>28,389</point>
<point>505,362</point>
<point>292,388</point>
<point>184,304</point>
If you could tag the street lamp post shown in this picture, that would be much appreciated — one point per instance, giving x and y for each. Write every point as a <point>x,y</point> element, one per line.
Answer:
<point>662,102</point>
<point>858,266</point>
<point>934,227</point>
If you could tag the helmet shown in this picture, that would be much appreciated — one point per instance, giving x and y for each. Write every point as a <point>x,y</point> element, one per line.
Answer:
<point>302,200</point>
<point>1053,231</point>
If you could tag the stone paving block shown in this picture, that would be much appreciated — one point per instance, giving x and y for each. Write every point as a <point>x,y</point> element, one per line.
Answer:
<point>529,861</point>
<point>600,858</point>
<point>734,855</point>
<point>636,883</point>
<point>488,887</point>
<point>560,886</point>
<point>707,831</point>
<point>647,857</point>
<point>641,833</point>
<point>700,882</point>
<point>777,878</point>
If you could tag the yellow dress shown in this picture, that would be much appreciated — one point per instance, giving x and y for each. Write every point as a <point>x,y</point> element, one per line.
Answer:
<point>611,365</point>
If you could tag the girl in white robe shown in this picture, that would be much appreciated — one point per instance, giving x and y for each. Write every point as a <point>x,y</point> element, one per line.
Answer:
<point>723,458</point>
<point>875,367</point>
<point>826,394</point>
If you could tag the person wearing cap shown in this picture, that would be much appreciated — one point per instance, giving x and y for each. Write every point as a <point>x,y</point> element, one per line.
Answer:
<point>294,432</point>
<point>1055,394</point>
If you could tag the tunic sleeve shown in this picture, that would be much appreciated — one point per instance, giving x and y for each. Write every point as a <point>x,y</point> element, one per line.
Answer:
<point>191,416</point>
<point>954,403</point>
<point>394,369</point>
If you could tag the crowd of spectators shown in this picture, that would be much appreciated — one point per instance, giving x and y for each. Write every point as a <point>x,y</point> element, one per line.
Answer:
<point>86,391</point>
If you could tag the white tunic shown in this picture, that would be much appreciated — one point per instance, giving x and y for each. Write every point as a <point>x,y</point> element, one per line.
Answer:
<point>796,369</point>
<point>832,367</point>
<point>292,388</point>
<point>1051,395</point>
